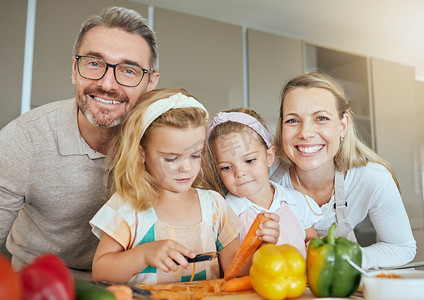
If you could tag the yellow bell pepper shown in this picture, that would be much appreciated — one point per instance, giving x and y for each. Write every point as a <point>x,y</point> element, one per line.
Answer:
<point>278,272</point>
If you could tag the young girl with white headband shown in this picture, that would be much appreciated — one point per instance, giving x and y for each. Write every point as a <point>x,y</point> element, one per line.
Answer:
<point>240,145</point>
<point>157,215</point>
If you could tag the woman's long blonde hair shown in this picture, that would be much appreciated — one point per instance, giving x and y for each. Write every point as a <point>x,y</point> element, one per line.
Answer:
<point>352,151</point>
<point>130,178</point>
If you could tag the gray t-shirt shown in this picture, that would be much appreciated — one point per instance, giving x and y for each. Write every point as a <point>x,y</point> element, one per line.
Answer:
<point>51,184</point>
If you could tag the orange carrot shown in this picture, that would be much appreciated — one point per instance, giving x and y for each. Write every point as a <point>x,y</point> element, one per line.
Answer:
<point>237,284</point>
<point>250,243</point>
<point>121,291</point>
<point>193,273</point>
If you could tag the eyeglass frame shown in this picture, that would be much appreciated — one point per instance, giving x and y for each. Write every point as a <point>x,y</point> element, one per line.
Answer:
<point>78,57</point>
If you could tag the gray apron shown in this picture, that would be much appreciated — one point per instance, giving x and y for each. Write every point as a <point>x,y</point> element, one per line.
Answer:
<point>343,229</point>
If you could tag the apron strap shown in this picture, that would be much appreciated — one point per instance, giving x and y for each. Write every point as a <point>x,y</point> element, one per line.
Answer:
<point>278,173</point>
<point>343,228</point>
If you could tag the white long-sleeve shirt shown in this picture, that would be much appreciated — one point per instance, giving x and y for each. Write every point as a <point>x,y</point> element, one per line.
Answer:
<point>371,190</point>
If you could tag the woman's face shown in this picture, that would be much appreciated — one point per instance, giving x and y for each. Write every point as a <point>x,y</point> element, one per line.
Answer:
<point>311,128</point>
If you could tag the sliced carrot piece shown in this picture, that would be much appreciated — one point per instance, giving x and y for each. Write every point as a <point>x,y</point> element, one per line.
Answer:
<point>121,291</point>
<point>237,284</point>
<point>250,243</point>
<point>192,274</point>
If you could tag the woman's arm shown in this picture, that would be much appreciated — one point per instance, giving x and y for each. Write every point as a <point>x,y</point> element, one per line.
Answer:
<point>396,244</point>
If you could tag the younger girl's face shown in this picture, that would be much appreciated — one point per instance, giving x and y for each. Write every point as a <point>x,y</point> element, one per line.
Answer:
<point>311,127</point>
<point>242,162</point>
<point>173,156</point>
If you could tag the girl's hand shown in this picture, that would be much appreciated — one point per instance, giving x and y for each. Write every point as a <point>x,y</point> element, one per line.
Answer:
<point>269,231</point>
<point>165,255</point>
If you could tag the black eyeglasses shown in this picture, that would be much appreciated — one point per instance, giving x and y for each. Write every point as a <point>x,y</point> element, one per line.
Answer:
<point>94,68</point>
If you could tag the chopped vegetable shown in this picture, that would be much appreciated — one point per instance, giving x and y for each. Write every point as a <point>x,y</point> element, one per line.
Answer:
<point>328,272</point>
<point>121,291</point>
<point>278,272</point>
<point>237,284</point>
<point>250,243</point>
<point>193,273</point>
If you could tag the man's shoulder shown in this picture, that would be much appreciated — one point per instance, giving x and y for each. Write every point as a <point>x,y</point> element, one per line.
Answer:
<point>46,119</point>
<point>47,109</point>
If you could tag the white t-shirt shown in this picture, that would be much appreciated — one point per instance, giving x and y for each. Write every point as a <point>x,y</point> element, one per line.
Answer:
<point>371,190</point>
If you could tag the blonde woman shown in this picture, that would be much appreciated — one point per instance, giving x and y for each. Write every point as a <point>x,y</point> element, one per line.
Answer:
<point>321,156</point>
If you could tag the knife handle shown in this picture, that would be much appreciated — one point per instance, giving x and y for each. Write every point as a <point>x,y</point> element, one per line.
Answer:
<point>201,257</point>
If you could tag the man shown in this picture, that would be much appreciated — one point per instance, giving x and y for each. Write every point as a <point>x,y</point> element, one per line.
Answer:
<point>52,160</point>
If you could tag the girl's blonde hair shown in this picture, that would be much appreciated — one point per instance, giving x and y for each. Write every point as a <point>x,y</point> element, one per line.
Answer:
<point>352,151</point>
<point>224,129</point>
<point>130,178</point>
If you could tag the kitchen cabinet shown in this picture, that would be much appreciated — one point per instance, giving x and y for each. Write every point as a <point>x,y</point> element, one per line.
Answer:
<point>399,128</point>
<point>272,60</point>
<point>201,55</point>
<point>11,59</point>
<point>419,230</point>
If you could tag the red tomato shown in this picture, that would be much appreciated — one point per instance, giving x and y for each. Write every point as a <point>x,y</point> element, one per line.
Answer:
<point>10,286</point>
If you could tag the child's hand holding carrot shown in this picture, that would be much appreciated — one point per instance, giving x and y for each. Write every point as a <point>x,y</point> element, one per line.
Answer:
<point>269,231</point>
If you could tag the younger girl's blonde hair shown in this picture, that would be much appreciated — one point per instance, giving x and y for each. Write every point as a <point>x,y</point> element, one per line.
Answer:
<point>130,178</point>
<point>352,151</point>
<point>224,129</point>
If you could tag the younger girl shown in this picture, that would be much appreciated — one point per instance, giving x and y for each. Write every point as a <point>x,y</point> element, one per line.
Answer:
<point>157,216</point>
<point>240,145</point>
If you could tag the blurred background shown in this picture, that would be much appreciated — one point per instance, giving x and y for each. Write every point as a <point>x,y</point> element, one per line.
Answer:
<point>231,53</point>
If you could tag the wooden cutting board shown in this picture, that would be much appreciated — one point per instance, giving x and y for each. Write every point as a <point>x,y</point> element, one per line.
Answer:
<point>247,295</point>
<point>307,295</point>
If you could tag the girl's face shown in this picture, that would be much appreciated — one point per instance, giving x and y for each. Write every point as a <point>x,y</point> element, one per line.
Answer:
<point>172,156</point>
<point>242,162</point>
<point>311,128</point>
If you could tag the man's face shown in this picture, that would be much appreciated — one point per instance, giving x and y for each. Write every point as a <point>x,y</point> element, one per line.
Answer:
<point>105,102</point>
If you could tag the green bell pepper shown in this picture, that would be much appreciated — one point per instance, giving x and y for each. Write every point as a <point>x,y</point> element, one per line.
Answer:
<point>328,272</point>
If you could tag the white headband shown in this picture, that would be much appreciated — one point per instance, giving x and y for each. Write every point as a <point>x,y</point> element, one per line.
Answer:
<point>161,106</point>
<point>242,118</point>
